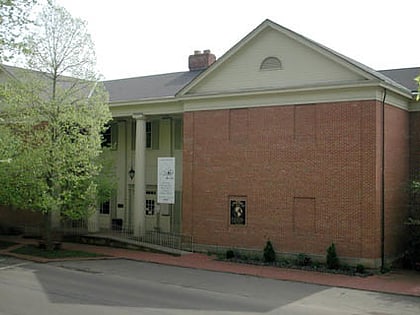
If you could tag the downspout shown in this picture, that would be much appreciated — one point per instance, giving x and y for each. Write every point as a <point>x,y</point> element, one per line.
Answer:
<point>383,186</point>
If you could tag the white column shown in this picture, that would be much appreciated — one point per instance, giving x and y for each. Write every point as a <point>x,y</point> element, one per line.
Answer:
<point>139,217</point>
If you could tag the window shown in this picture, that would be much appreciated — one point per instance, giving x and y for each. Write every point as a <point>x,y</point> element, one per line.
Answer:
<point>133,135</point>
<point>105,207</point>
<point>271,63</point>
<point>178,134</point>
<point>148,134</point>
<point>110,137</point>
<point>150,207</point>
<point>152,134</point>
<point>150,202</point>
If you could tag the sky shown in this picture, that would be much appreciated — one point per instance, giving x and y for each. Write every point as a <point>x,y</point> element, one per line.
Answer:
<point>146,37</point>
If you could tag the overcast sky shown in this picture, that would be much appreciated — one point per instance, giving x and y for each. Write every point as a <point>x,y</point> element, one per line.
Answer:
<point>146,37</point>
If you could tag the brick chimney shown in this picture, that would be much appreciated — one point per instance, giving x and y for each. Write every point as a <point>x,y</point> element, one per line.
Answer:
<point>201,60</point>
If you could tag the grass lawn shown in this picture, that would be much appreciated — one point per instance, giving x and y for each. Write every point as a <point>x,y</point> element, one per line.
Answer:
<point>33,250</point>
<point>6,244</point>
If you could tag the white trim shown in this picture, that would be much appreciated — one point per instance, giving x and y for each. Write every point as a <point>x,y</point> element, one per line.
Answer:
<point>293,97</point>
<point>352,65</point>
<point>154,108</point>
<point>414,106</point>
<point>159,100</point>
<point>360,91</point>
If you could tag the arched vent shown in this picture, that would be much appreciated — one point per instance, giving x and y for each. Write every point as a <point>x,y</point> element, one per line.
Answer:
<point>271,63</point>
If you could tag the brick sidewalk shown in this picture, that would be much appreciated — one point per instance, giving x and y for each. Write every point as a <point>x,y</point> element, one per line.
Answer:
<point>397,282</point>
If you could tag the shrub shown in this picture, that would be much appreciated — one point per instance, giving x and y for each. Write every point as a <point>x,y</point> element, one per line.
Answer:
<point>269,253</point>
<point>230,254</point>
<point>303,260</point>
<point>360,268</point>
<point>332,258</point>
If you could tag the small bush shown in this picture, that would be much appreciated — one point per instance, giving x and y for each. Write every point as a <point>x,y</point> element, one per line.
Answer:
<point>303,260</point>
<point>332,258</point>
<point>6,244</point>
<point>230,254</point>
<point>269,253</point>
<point>360,268</point>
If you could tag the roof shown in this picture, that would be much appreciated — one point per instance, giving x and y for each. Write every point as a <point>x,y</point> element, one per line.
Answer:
<point>404,77</point>
<point>149,87</point>
<point>84,87</point>
<point>356,66</point>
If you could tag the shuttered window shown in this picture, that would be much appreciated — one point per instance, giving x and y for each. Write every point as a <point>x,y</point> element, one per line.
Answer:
<point>271,63</point>
<point>152,134</point>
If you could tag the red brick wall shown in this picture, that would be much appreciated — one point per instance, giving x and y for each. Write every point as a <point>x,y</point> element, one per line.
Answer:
<point>396,178</point>
<point>309,174</point>
<point>9,217</point>
<point>415,145</point>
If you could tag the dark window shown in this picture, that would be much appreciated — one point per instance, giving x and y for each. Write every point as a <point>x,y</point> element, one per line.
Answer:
<point>105,207</point>
<point>109,137</point>
<point>148,134</point>
<point>150,207</point>
<point>133,136</point>
<point>178,134</point>
<point>152,134</point>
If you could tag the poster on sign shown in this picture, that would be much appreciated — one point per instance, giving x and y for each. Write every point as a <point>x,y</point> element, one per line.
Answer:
<point>166,180</point>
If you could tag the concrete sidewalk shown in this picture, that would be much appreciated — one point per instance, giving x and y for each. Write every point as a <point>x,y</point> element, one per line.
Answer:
<point>397,282</point>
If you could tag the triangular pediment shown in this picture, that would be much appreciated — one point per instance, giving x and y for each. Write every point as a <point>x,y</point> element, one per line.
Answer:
<point>272,57</point>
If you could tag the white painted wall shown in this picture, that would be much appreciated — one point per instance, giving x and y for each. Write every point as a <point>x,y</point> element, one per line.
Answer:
<point>301,66</point>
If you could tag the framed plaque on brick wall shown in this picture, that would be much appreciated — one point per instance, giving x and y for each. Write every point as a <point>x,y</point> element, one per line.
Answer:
<point>237,209</point>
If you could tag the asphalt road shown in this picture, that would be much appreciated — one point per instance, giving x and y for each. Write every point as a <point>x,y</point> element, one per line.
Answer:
<point>128,287</point>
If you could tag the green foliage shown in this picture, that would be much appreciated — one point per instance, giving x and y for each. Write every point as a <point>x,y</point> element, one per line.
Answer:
<point>412,223</point>
<point>360,268</point>
<point>105,181</point>
<point>51,124</point>
<point>32,250</point>
<point>14,20</point>
<point>269,253</point>
<point>303,260</point>
<point>60,45</point>
<point>6,244</point>
<point>332,258</point>
<point>54,150</point>
<point>230,254</point>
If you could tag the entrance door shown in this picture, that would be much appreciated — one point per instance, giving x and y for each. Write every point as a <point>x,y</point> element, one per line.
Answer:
<point>151,211</point>
<point>158,216</point>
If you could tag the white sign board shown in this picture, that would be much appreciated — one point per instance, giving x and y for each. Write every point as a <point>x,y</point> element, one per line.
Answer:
<point>166,180</point>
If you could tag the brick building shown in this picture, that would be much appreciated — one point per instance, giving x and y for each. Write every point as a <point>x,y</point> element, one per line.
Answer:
<point>281,138</point>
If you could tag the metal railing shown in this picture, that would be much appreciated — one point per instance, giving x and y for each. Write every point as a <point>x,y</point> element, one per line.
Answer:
<point>123,233</point>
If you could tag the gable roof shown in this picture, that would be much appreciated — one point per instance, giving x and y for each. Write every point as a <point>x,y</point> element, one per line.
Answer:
<point>346,62</point>
<point>149,87</point>
<point>404,77</point>
<point>171,85</point>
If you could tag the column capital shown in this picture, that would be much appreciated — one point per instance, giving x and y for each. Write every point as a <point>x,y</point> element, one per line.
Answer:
<point>139,116</point>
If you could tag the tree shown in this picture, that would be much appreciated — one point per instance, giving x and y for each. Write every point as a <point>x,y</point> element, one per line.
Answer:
<point>418,82</point>
<point>55,114</point>
<point>412,252</point>
<point>14,19</point>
